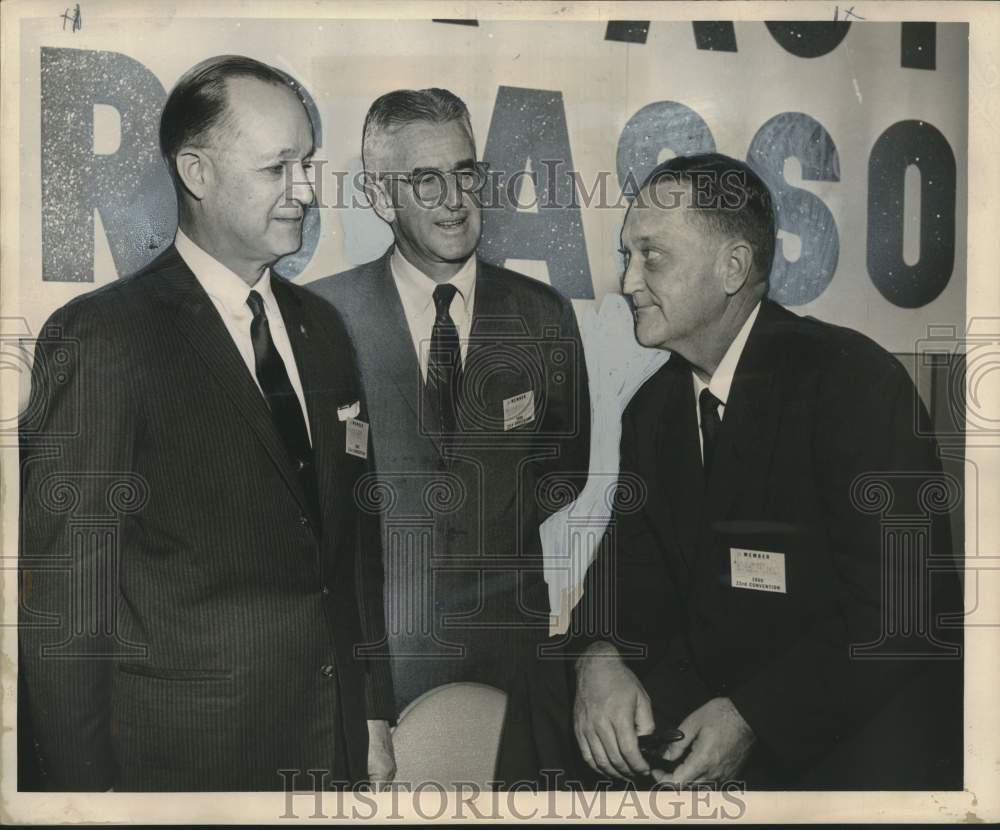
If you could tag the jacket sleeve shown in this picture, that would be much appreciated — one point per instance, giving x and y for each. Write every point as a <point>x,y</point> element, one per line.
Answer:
<point>866,429</point>
<point>567,414</point>
<point>76,430</point>
<point>628,596</point>
<point>379,696</point>
<point>370,586</point>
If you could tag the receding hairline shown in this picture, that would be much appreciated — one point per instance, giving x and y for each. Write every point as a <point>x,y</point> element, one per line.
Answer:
<point>227,125</point>
<point>377,141</point>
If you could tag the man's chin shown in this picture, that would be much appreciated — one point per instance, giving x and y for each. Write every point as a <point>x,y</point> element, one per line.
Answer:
<point>290,244</point>
<point>455,248</point>
<point>456,253</point>
<point>648,339</point>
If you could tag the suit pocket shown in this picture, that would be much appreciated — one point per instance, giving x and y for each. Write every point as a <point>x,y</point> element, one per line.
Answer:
<point>169,718</point>
<point>158,673</point>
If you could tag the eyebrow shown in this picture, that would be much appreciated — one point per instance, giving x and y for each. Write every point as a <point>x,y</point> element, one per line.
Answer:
<point>464,163</point>
<point>287,153</point>
<point>641,241</point>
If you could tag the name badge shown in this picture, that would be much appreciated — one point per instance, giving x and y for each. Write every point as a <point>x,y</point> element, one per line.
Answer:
<point>519,410</point>
<point>357,438</point>
<point>757,570</point>
<point>348,411</point>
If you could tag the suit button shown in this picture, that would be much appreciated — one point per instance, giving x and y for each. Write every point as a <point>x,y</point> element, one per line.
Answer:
<point>304,520</point>
<point>324,590</point>
<point>326,671</point>
<point>300,465</point>
<point>683,665</point>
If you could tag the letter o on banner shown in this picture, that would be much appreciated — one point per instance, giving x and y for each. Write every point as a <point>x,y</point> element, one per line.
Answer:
<point>920,144</point>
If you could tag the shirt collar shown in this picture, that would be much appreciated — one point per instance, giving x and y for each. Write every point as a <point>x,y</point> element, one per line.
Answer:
<point>223,286</point>
<point>722,378</point>
<point>416,289</point>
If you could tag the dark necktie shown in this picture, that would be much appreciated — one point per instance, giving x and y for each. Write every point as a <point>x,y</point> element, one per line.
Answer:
<point>444,362</point>
<point>281,398</point>
<point>708,409</point>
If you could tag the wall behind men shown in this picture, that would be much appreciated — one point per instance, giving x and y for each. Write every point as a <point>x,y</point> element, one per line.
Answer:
<point>860,128</point>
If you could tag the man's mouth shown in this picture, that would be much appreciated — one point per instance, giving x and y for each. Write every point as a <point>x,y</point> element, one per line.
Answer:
<point>452,224</point>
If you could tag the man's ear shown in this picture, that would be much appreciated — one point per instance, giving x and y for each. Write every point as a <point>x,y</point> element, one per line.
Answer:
<point>194,169</point>
<point>736,262</point>
<point>379,197</point>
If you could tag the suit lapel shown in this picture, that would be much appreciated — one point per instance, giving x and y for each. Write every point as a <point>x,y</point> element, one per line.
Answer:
<point>493,311</point>
<point>746,438</point>
<point>678,467</point>
<point>494,319</point>
<point>316,360</point>
<point>198,321</point>
<point>392,346</point>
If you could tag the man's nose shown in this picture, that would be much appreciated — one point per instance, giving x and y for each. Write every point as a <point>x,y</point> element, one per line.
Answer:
<point>454,196</point>
<point>302,185</point>
<point>632,280</point>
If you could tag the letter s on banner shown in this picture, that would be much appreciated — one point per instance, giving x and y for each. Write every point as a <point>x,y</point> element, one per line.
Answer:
<point>799,136</point>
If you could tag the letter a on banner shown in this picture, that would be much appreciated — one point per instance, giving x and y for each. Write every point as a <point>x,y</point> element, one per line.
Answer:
<point>530,125</point>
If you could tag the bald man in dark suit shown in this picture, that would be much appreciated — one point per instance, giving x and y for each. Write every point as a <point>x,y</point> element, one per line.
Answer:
<point>197,578</point>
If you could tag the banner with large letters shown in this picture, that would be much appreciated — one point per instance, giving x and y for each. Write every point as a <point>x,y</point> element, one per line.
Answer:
<point>859,128</point>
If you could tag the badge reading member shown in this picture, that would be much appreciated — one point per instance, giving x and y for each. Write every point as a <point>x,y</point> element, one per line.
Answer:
<point>519,410</point>
<point>357,438</point>
<point>757,570</point>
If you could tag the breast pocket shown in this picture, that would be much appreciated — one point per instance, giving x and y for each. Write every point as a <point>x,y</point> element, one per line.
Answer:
<point>760,576</point>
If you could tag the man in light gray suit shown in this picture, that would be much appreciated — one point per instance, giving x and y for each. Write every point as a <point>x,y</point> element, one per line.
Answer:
<point>477,391</point>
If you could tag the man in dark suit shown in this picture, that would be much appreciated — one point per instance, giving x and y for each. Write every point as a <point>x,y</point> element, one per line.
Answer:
<point>196,578</point>
<point>477,391</point>
<point>777,597</point>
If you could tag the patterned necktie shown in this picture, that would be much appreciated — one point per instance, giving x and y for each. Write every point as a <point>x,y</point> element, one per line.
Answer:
<point>281,398</point>
<point>708,408</point>
<point>444,364</point>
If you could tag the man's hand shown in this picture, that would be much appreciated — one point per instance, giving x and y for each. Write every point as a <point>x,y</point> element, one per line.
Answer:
<point>381,759</point>
<point>720,742</point>
<point>610,711</point>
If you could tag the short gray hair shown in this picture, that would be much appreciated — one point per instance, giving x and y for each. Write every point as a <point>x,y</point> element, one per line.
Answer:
<point>394,110</point>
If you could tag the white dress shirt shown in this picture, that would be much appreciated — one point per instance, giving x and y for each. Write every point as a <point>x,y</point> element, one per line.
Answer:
<point>722,379</point>
<point>416,290</point>
<point>228,293</point>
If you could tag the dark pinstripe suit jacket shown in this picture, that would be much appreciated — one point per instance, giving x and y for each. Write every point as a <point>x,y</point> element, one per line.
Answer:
<point>465,594</point>
<point>184,624</point>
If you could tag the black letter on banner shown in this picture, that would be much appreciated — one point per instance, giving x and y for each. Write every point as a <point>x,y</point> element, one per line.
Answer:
<point>903,144</point>
<point>808,40</point>
<point>531,124</point>
<point>797,135</point>
<point>715,35</point>
<point>292,265</point>
<point>627,31</point>
<point>663,125</point>
<point>918,46</point>
<point>130,188</point>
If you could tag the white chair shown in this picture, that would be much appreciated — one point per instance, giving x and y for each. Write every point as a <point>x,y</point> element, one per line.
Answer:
<point>450,734</point>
